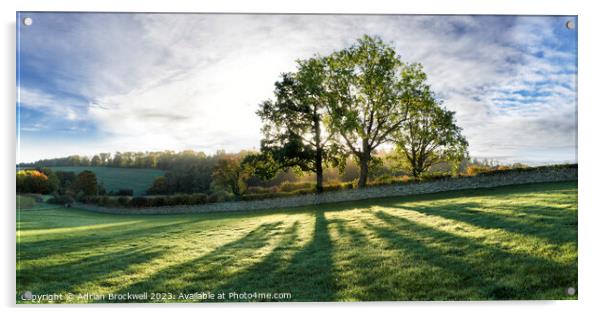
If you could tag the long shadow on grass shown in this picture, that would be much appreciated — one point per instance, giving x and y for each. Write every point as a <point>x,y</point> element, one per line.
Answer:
<point>68,277</point>
<point>479,271</point>
<point>365,268</point>
<point>306,274</point>
<point>83,240</point>
<point>205,272</point>
<point>555,230</point>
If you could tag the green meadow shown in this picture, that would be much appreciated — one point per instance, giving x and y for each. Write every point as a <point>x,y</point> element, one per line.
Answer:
<point>113,179</point>
<point>514,242</point>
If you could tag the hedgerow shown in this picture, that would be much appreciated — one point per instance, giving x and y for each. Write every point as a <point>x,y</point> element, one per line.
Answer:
<point>286,190</point>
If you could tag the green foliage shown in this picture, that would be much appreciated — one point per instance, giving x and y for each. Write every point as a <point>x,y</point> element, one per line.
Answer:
<point>369,92</point>
<point>293,123</point>
<point>61,200</point>
<point>66,179</point>
<point>34,181</point>
<point>263,165</point>
<point>261,190</point>
<point>339,186</point>
<point>123,200</point>
<point>86,183</point>
<point>160,186</point>
<point>139,201</point>
<point>429,136</point>
<point>293,186</point>
<point>230,174</point>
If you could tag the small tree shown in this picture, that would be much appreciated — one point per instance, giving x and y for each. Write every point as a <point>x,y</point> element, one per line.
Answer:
<point>86,183</point>
<point>53,180</point>
<point>231,174</point>
<point>66,180</point>
<point>160,186</point>
<point>33,181</point>
<point>429,136</point>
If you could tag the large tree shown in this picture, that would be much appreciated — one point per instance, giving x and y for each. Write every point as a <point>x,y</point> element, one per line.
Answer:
<point>429,136</point>
<point>293,129</point>
<point>369,91</point>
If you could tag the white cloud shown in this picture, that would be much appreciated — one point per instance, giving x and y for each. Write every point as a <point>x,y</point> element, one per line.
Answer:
<point>163,81</point>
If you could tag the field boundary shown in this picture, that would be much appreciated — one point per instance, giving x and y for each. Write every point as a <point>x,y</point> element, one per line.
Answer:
<point>443,185</point>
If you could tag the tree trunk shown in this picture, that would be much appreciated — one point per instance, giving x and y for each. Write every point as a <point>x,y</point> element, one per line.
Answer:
<point>319,171</point>
<point>319,152</point>
<point>364,160</point>
<point>363,173</point>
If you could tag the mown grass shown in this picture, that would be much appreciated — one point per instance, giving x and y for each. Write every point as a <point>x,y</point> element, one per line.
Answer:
<point>516,242</point>
<point>113,179</point>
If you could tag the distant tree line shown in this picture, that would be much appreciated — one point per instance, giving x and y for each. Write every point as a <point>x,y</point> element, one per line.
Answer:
<point>163,160</point>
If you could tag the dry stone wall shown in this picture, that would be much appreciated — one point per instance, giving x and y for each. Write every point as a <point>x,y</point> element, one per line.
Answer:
<point>450,184</point>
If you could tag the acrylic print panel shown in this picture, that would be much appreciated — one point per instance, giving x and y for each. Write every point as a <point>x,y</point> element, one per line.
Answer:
<point>182,158</point>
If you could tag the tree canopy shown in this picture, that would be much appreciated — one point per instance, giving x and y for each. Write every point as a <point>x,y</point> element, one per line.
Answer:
<point>369,93</point>
<point>293,128</point>
<point>429,136</point>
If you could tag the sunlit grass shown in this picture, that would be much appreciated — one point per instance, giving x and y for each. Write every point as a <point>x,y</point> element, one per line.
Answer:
<point>517,242</point>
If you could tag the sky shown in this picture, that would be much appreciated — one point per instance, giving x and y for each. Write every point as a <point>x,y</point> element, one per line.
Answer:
<point>107,82</point>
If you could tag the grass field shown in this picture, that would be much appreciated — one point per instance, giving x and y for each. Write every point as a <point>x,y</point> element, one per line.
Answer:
<point>516,242</point>
<point>25,202</point>
<point>28,202</point>
<point>121,178</point>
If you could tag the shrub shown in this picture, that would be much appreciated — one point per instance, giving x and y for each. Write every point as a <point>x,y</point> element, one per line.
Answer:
<point>66,179</point>
<point>94,199</point>
<point>338,186</point>
<point>435,176</point>
<point>180,199</point>
<point>333,187</point>
<point>123,201</point>
<point>198,198</point>
<point>263,196</point>
<point>288,186</point>
<point>125,192</point>
<point>160,186</point>
<point>61,200</point>
<point>157,201</point>
<point>86,183</point>
<point>139,201</point>
<point>103,201</point>
<point>473,170</point>
<point>259,190</point>
<point>213,198</point>
<point>270,195</point>
<point>33,181</point>
<point>101,189</point>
